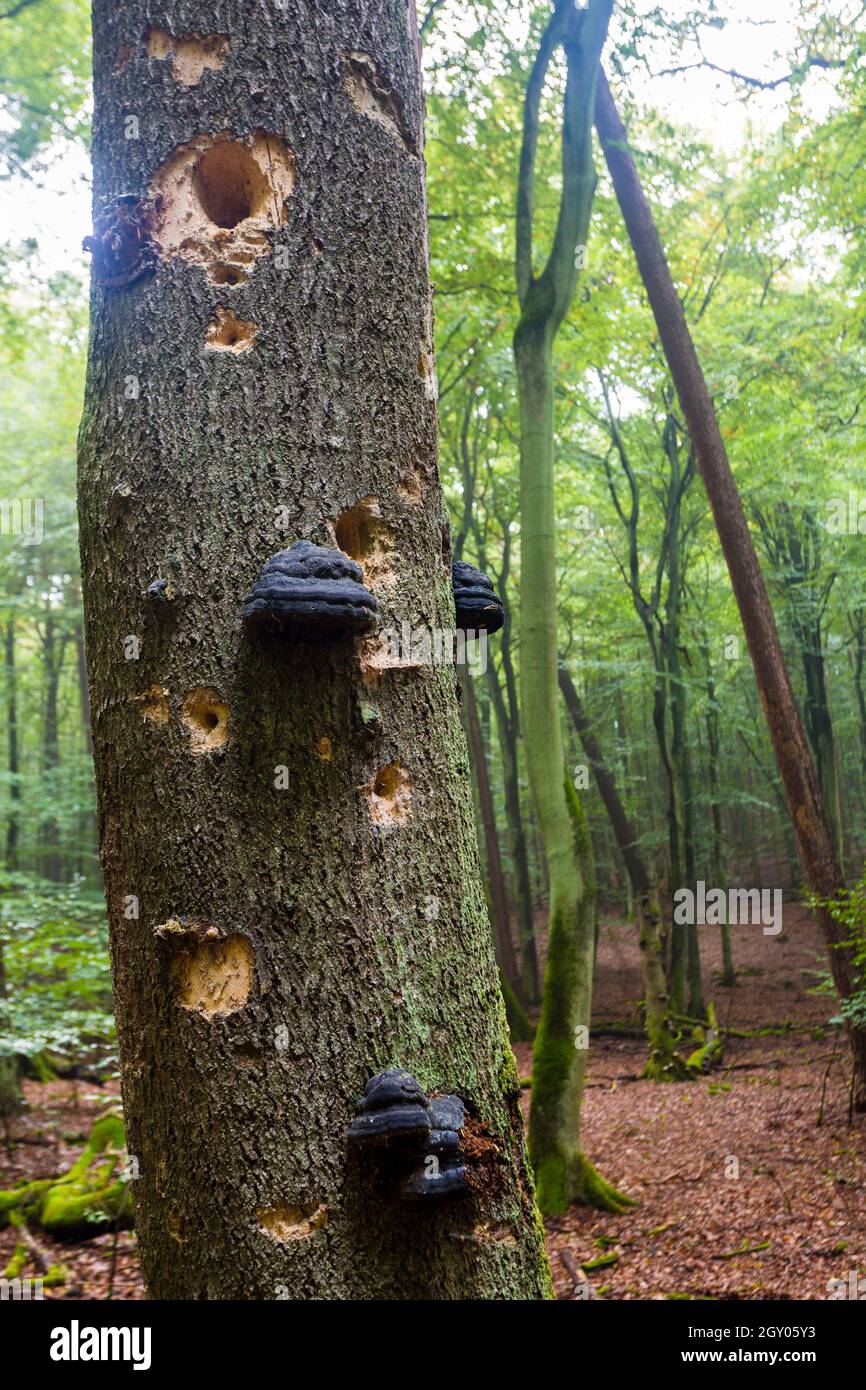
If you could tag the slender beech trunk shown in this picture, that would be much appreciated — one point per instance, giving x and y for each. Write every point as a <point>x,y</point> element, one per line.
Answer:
<point>87,829</point>
<point>682,764</point>
<point>562,1170</point>
<point>663,1064</point>
<point>857,621</point>
<point>729,977</point>
<point>13,824</point>
<point>623,772</point>
<point>529,984</point>
<point>49,831</point>
<point>495,877</point>
<point>290,861</point>
<point>797,770</point>
<point>820,725</point>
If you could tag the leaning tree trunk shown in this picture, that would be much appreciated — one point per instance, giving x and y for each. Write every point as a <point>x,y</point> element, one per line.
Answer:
<point>812,829</point>
<point>49,830</point>
<point>289,855</point>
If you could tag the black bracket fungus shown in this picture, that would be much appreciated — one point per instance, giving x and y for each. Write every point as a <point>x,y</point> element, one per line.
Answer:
<point>441,1172</point>
<point>310,591</point>
<point>394,1108</point>
<point>121,245</point>
<point>424,1135</point>
<point>478,607</point>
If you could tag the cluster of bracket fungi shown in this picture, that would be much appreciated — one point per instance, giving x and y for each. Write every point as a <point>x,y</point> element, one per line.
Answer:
<point>312,591</point>
<point>308,591</point>
<point>478,607</point>
<point>421,1132</point>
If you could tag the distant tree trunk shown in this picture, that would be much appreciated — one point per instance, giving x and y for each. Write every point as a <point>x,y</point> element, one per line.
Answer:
<point>857,621</point>
<point>793,545</point>
<point>289,855</point>
<point>813,832</point>
<point>682,843</point>
<point>562,1170</point>
<point>13,824</point>
<point>496,879</point>
<point>729,977</point>
<point>663,1064</point>
<point>529,982</point>
<point>87,829</point>
<point>49,831</point>
<point>623,763</point>
<point>661,622</point>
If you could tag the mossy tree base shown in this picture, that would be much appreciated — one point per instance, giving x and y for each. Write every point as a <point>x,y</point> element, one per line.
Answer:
<point>663,1065</point>
<point>562,1182</point>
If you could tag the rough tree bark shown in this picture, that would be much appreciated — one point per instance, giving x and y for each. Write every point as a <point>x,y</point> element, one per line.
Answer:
<point>563,1172</point>
<point>796,767</point>
<point>290,861</point>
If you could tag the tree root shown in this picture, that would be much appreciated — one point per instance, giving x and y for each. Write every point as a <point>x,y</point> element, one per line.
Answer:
<point>662,1065</point>
<point>561,1182</point>
<point>29,1248</point>
<point>590,1189</point>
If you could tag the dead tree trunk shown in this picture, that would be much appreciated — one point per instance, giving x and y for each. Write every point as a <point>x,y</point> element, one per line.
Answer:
<point>290,860</point>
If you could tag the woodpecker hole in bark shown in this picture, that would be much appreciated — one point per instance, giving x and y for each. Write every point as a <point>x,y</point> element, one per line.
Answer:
<point>412,485</point>
<point>373,96</point>
<point>154,704</point>
<point>229,334</point>
<point>289,1221</point>
<point>217,198</point>
<point>205,716</point>
<point>215,977</point>
<point>389,795</point>
<point>229,184</point>
<point>191,54</point>
<point>361,533</point>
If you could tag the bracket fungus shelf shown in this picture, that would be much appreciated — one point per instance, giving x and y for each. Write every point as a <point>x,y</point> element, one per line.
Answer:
<point>422,1133</point>
<point>478,607</point>
<point>309,592</point>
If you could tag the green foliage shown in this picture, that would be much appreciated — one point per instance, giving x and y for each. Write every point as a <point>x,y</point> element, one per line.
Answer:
<point>849,910</point>
<point>45,65</point>
<point>54,942</point>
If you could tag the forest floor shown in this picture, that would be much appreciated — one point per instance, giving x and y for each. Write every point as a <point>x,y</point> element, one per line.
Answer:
<point>793,1219</point>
